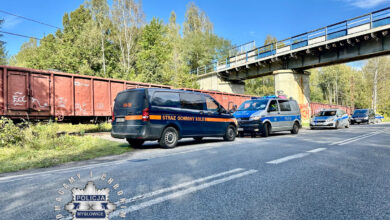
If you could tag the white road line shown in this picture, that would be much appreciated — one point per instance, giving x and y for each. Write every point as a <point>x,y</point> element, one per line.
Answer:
<point>347,142</point>
<point>353,138</point>
<point>181,193</point>
<point>284,159</point>
<point>181,185</point>
<point>316,150</point>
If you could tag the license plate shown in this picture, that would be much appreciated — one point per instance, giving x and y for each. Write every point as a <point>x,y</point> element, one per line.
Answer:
<point>358,120</point>
<point>240,129</point>
<point>120,120</point>
<point>319,123</point>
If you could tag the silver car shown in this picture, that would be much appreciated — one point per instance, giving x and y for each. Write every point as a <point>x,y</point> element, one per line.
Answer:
<point>330,118</point>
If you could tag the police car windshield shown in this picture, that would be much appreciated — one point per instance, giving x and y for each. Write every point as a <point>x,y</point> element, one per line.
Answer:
<point>253,105</point>
<point>327,113</point>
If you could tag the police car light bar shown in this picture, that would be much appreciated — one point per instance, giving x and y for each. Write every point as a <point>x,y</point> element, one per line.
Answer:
<point>268,97</point>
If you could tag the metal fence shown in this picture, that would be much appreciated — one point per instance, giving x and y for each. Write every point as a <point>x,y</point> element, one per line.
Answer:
<point>245,53</point>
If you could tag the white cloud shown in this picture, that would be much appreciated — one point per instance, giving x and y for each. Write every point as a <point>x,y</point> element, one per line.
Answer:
<point>11,22</point>
<point>366,4</point>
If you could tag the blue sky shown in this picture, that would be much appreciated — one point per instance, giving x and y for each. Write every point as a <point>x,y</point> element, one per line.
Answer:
<point>239,21</point>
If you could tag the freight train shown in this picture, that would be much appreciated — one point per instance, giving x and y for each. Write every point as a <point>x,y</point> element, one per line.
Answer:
<point>32,94</point>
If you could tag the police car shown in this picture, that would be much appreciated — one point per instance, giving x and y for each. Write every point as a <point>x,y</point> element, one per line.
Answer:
<point>379,118</point>
<point>167,115</point>
<point>268,114</point>
<point>330,118</point>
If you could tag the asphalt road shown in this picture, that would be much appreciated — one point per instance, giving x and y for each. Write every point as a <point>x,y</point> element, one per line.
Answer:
<point>320,174</point>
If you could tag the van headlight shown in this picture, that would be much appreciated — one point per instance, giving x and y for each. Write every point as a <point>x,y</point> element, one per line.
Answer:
<point>254,118</point>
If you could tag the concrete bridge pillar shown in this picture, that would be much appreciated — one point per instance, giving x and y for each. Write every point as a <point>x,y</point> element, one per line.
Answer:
<point>213,82</point>
<point>294,84</point>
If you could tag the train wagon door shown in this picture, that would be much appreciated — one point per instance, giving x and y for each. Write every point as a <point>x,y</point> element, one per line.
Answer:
<point>17,91</point>
<point>40,92</point>
<point>83,97</point>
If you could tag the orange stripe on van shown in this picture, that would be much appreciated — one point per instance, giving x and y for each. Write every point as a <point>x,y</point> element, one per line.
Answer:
<point>219,119</point>
<point>155,117</point>
<point>133,117</point>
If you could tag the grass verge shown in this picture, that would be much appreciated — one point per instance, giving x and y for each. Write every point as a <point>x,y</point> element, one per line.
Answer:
<point>34,146</point>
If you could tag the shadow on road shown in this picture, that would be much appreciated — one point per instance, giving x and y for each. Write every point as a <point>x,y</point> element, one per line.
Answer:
<point>189,142</point>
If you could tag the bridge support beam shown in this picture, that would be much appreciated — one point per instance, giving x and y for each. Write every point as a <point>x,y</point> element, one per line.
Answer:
<point>294,84</point>
<point>214,82</point>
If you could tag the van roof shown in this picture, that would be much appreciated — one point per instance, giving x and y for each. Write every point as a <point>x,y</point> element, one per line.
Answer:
<point>162,89</point>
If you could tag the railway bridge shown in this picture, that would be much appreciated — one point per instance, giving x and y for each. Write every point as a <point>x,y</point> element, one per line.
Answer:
<point>355,39</point>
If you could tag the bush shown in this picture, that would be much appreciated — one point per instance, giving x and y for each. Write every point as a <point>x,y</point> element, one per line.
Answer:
<point>10,134</point>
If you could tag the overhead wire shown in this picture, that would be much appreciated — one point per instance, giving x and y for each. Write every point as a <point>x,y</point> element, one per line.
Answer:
<point>29,19</point>
<point>20,35</point>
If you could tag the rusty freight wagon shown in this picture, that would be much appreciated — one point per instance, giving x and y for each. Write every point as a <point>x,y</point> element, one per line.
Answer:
<point>40,94</point>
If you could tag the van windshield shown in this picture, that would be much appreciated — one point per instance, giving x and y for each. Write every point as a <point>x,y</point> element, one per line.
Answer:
<point>360,112</point>
<point>253,105</point>
<point>327,113</point>
<point>131,100</point>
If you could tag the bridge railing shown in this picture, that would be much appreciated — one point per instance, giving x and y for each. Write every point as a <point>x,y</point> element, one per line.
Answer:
<point>245,54</point>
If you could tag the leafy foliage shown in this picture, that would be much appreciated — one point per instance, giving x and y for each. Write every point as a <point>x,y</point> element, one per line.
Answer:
<point>113,41</point>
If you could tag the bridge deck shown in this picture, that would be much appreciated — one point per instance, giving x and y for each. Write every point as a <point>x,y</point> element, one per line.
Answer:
<point>364,25</point>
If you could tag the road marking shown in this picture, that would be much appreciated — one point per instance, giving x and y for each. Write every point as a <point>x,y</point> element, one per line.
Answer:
<point>316,150</point>
<point>284,159</point>
<point>359,138</point>
<point>181,193</point>
<point>181,185</point>
<point>353,139</point>
<point>295,156</point>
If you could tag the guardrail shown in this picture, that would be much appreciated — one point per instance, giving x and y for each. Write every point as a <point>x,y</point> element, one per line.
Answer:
<point>351,26</point>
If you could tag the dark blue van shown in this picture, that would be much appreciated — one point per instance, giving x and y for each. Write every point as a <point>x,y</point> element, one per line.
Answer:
<point>168,115</point>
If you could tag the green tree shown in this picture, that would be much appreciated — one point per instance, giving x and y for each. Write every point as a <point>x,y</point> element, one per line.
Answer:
<point>201,45</point>
<point>27,51</point>
<point>175,70</point>
<point>153,54</point>
<point>127,19</point>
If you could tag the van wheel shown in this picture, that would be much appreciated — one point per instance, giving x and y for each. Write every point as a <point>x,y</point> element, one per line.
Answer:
<point>266,131</point>
<point>135,143</point>
<point>169,138</point>
<point>230,133</point>
<point>295,129</point>
<point>198,139</point>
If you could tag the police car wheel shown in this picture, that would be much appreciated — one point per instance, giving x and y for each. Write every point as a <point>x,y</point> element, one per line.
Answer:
<point>135,143</point>
<point>230,133</point>
<point>266,131</point>
<point>337,125</point>
<point>295,129</point>
<point>169,138</point>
